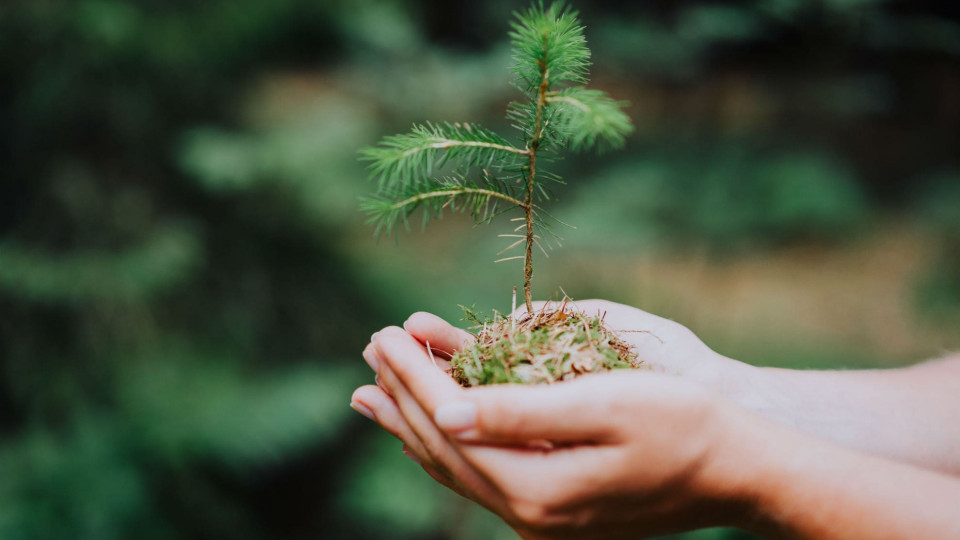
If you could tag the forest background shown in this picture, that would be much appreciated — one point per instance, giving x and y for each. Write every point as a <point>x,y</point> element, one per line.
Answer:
<point>186,282</point>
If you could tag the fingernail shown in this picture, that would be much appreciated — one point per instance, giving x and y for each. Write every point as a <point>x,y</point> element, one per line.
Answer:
<point>371,360</point>
<point>458,416</point>
<point>362,409</point>
<point>406,451</point>
<point>373,336</point>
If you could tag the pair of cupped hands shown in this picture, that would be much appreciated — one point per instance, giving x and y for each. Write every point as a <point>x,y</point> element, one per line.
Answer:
<point>607,455</point>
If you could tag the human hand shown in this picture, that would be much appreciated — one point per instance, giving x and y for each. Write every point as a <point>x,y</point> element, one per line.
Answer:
<point>631,453</point>
<point>663,345</point>
<point>637,453</point>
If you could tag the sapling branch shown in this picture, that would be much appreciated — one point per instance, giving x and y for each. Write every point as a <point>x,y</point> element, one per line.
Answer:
<point>443,144</point>
<point>455,193</point>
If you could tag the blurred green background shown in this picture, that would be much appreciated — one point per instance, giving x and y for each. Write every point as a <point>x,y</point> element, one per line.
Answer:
<point>186,283</point>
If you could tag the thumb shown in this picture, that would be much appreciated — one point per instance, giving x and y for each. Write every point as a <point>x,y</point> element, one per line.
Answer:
<point>517,414</point>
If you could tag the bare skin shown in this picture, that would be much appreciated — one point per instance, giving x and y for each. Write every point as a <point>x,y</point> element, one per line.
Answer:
<point>649,453</point>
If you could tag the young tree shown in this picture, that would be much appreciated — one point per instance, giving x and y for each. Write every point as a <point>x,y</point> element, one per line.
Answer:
<point>489,174</point>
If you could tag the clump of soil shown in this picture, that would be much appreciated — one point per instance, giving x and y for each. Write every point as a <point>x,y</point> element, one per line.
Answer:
<point>544,347</point>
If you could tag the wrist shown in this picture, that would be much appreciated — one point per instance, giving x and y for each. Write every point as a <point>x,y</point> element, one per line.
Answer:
<point>745,443</point>
<point>764,472</point>
<point>725,479</point>
<point>738,382</point>
<point>781,483</point>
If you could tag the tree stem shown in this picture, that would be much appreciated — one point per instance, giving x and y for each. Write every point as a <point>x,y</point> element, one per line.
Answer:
<point>531,174</point>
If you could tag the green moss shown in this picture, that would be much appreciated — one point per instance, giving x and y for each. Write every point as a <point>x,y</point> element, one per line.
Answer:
<point>548,346</point>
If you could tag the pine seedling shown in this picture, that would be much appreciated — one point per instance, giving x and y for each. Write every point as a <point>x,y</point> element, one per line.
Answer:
<point>466,167</point>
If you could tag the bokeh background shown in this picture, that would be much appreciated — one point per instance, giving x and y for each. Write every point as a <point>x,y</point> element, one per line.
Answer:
<point>186,282</point>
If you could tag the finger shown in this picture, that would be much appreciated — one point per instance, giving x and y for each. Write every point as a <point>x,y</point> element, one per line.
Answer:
<point>373,402</point>
<point>444,338</point>
<point>393,346</point>
<point>413,414</point>
<point>407,451</point>
<point>443,479</point>
<point>438,356</point>
<point>373,360</point>
<point>573,411</point>
<point>439,452</point>
<point>383,410</point>
<point>407,359</point>
<point>370,357</point>
<point>440,476</point>
<point>542,475</point>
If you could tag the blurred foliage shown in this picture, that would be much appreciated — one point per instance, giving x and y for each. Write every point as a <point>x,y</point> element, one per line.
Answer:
<point>939,205</point>
<point>185,282</point>
<point>727,198</point>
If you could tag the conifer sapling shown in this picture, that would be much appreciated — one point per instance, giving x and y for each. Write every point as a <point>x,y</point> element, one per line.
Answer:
<point>487,175</point>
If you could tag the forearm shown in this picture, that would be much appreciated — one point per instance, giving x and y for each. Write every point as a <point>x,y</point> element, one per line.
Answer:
<point>778,482</point>
<point>801,487</point>
<point>904,414</point>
